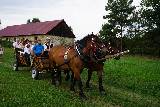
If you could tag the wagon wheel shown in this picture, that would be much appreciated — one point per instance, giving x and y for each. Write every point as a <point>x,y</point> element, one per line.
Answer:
<point>15,66</point>
<point>35,73</point>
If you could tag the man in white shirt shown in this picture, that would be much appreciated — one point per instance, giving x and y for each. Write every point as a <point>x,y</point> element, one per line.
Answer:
<point>27,49</point>
<point>27,53</point>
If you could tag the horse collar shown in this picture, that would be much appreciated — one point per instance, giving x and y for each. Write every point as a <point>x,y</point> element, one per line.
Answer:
<point>80,53</point>
<point>66,55</point>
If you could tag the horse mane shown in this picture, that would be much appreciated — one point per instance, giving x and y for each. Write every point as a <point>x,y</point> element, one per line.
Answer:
<point>84,40</point>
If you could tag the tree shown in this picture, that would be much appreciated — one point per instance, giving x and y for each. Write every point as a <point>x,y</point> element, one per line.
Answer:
<point>151,20</point>
<point>28,21</point>
<point>151,13</point>
<point>106,32</point>
<point>118,17</point>
<point>135,28</point>
<point>34,20</point>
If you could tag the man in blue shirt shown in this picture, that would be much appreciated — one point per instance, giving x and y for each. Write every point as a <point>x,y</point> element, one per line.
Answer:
<point>38,49</point>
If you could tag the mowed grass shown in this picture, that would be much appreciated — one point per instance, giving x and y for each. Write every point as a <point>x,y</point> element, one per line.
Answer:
<point>131,81</point>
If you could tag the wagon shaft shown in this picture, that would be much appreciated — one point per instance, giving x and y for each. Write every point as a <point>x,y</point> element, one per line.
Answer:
<point>115,55</point>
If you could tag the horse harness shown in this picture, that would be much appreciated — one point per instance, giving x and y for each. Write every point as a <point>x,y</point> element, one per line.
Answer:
<point>78,49</point>
<point>66,60</point>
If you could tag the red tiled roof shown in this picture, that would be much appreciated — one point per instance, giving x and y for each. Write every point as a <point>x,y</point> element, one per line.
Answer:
<point>30,29</point>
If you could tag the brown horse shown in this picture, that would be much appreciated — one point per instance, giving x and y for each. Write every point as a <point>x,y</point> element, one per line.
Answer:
<point>98,66</point>
<point>73,58</point>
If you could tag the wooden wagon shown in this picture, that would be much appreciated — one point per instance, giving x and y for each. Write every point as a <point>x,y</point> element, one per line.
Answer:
<point>39,65</point>
<point>20,60</point>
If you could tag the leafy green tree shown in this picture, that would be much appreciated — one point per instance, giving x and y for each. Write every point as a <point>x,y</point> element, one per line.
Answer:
<point>151,13</point>
<point>34,20</point>
<point>151,20</point>
<point>135,28</point>
<point>106,32</point>
<point>118,18</point>
<point>28,21</point>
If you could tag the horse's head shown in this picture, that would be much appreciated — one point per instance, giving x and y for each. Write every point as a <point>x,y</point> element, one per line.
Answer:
<point>93,47</point>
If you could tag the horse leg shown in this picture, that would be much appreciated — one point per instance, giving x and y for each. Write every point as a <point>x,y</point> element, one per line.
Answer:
<point>73,81</point>
<point>101,89</point>
<point>89,78</point>
<point>55,77</point>
<point>59,77</point>
<point>81,94</point>
<point>52,75</point>
<point>67,75</point>
<point>78,78</point>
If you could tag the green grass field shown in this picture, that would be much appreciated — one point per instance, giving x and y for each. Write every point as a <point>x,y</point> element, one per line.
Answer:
<point>132,81</point>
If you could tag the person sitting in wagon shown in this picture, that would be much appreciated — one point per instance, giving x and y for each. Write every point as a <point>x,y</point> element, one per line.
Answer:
<point>27,53</point>
<point>38,49</point>
<point>46,47</point>
<point>17,46</point>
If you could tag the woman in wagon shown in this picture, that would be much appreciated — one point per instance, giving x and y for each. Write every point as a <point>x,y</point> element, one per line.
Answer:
<point>27,53</point>
<point>38,49</point>
<point>18,49</point>
<point>46,47</point>
<point>17,46</point>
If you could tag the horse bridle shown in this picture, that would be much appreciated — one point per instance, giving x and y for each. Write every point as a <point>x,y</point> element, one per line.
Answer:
<point>97,48</point>
<point>93,50</point>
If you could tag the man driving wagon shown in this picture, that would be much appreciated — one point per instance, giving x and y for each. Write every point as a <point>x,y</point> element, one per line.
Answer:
<point>40,59</point>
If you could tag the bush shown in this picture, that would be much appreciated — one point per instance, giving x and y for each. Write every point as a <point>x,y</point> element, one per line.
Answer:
<point>6,43</point>
<point>146,51</point>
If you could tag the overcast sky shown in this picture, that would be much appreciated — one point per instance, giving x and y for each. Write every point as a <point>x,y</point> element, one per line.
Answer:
<point>84,16</point>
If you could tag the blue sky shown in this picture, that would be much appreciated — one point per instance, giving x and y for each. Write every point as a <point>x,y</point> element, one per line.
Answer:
<point>84,16</point>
